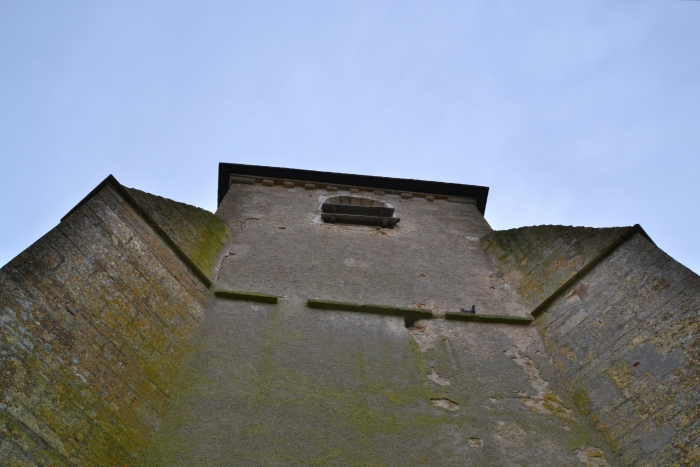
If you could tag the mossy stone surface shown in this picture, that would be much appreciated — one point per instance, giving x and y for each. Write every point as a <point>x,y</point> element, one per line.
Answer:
<point>200,234</point>
<point>94,322</point>
<point>287,385</point>
<point>300,383</point>
<point>542,258</point>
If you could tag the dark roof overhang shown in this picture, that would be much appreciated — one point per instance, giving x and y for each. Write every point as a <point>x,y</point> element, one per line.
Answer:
<point>479,193</point>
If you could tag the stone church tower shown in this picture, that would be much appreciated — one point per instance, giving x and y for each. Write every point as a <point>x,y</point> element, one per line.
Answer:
<point>325,319</point>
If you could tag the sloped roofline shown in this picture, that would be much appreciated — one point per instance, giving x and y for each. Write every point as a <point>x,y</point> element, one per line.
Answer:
<point>119,188</point>
<point>610,249</point>
<point>479,193</point>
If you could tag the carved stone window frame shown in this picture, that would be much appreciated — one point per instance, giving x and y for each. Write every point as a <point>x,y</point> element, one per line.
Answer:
<point>358,210</point>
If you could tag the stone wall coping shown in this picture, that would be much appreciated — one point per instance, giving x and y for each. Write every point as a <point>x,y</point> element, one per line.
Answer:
<point>124,193</point>
<point>627,235</point>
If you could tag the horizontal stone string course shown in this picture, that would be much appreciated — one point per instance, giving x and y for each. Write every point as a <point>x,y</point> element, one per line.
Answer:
<point>331,305</point>
<point>488,318</point>
<point>249,296</point>
<point>414,313</point>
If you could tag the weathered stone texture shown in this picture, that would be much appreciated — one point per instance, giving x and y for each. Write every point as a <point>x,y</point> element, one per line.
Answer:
<point>94,321</point>
<point>113,351</point>
<point>431,258</point>
<point>629,351</point>
<point>197,232</point>
<point>288,384</point>
<point>541,259</point>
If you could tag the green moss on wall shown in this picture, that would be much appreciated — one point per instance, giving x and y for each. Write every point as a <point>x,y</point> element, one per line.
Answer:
<point>95,319</point>
<point>197,232</point>
<point>542,258</point>
<point>581,399</point>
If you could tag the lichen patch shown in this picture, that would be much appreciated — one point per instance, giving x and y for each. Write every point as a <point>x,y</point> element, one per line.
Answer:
<point>544,400</point>
<point>591,457</point>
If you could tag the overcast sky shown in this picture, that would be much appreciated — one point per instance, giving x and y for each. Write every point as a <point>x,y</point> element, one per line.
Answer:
<point>575,113</point>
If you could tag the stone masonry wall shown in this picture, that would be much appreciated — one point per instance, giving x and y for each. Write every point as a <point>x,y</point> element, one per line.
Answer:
<point>625,339</point>
<point>541,259</point>
<point>94,321</point>
<point>196,231</point>
<point>286,384</point>
<point>623,336</point>
<point>281,246</point>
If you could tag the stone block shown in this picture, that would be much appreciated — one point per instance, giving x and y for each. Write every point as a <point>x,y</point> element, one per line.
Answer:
<point>645,358</point>
<point>244,180</point>
<point>656,437</point>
